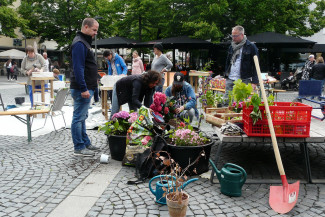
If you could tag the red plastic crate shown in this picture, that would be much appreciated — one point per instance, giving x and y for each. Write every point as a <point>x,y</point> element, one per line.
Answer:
<point>289,120</point>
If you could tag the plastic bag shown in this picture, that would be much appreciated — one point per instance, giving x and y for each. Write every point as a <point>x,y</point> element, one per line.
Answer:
<point>139,137</point>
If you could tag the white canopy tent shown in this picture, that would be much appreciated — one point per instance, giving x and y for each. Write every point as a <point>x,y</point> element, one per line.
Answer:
<point>12,54</point>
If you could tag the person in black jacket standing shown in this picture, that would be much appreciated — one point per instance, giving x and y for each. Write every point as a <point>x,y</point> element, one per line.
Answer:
<point>240,62</point>
<point>133,90</point>
<point>83,84</point>
<point>318,71</point>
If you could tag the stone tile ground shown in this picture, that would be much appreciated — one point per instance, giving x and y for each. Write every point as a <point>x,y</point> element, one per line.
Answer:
<point>36,177</point>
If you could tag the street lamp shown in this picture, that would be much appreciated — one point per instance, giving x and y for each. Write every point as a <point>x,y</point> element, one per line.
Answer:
<point>96,18</point>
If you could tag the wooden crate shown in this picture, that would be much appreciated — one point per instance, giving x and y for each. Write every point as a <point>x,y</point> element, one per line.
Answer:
<point>219,116</point>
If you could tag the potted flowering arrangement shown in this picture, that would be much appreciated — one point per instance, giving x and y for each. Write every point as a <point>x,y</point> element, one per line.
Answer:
<point>116,130</point>
<point>163,106</point>
<point>185,144</point>
<point>174,180</point>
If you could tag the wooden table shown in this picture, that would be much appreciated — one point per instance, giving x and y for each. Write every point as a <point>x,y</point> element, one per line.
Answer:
<point>43,79</point>
<point>194,78</point>
<point>26,121</point>
<point>317,135</point>
<point>105,106</point>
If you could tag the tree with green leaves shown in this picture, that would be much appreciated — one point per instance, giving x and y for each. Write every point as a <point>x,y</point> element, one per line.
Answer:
<point>10,20</point>
<point>59,20</point>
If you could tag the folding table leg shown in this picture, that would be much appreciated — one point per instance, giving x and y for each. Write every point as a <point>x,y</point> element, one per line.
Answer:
<point>29,131</point>
<point>216,161</point>
<point>304,149</point>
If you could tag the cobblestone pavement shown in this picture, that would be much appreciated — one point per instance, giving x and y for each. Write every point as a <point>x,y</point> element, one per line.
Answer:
<point>36,177</point>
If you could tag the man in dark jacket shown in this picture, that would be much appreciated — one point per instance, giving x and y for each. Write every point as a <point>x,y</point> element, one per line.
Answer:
<point>83,84</point>
<point>240,62</point>
<point>133,90</point>
<point>318,71</point>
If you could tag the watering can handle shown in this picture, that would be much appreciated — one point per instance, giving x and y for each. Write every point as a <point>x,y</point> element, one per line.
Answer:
<point>157,177</point>
<point>240,168</point>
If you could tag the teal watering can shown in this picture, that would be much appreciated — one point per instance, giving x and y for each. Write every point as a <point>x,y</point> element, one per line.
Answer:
<point>159,192</point>
<point>231,178</point>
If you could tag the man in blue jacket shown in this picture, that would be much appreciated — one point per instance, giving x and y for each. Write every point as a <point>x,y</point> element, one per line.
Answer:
<point>240,62</point>
<point>184,96</point>
<point>83,84</point>
<point>116,64</point>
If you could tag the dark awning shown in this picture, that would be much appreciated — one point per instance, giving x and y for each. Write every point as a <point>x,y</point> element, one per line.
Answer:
<point>279,40</point>
<point>115,42</point>
<point>317,48</point>
<point>181,42</point>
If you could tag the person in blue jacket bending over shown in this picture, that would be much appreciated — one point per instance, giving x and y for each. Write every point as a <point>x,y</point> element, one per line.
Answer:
<point>116,64</point>
<point>184,95</point>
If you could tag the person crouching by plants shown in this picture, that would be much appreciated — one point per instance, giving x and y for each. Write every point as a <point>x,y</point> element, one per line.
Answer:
<point>133,90</point>
<point>183,93</point>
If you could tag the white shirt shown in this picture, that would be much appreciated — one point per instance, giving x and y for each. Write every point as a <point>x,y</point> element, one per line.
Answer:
<point>235,68</point>
<point>46,67</point>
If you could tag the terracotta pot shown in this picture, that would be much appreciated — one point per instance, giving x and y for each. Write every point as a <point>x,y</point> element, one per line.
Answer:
<point>175,209</point>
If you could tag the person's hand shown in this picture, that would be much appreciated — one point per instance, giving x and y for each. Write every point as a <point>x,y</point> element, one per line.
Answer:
<point>29,72</point>
<point>85,94</point>
<point>163,70</point>
<point>36,70</point>
<point>180,109</point>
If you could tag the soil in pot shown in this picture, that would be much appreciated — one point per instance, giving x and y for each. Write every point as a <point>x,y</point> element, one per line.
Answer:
<point>117,146</point>
<point>185,154</point>
<point>175,208</point>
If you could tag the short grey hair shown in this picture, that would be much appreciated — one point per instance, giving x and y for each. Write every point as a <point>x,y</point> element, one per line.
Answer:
<point>88,21</point>
<point>239,29</point>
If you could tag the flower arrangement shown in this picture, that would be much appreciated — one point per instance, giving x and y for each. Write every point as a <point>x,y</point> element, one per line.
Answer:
<point>185,135</point>
<point>163,106</point>
<point>120,123</point>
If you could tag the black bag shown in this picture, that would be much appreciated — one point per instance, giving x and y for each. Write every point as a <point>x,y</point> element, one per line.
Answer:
<point>147,165</point>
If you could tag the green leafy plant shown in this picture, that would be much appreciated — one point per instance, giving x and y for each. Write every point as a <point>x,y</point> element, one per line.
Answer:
<point>119,124</point>
<point>207,66</point>
<point>239,93</point>
<point>208,99</point>
<point>256,101</point>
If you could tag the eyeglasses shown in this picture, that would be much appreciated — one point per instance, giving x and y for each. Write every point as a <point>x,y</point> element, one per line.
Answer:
<point>235,36</point>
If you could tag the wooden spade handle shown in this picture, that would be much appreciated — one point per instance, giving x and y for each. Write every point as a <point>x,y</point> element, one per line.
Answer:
<point>269,119</point>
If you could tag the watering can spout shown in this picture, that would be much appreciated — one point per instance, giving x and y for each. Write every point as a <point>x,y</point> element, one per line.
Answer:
<point>188,182</point>
<point>215,168</point>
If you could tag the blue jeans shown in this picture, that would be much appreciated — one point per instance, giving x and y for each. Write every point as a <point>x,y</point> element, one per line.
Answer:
<point>116,105</point>
<point>80,114</point>
<point>159,88</point>
<point>96,95</point>
<point>30,92</point>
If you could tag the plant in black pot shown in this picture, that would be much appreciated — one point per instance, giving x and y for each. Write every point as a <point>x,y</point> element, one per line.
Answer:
<point>185,144</point>
<point>116,130</point>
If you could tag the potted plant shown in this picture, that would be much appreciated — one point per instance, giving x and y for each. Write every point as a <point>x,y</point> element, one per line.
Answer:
<point>185,144</point>
<point>116,130</point>
<point>175,178</point>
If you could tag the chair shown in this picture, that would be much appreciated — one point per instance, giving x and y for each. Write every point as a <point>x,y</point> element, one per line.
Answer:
<point>2,104</point>
<point>312,89</point>
<point>57,105</point>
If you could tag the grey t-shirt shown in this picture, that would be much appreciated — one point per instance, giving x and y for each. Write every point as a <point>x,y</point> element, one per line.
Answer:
<point>159,63</point>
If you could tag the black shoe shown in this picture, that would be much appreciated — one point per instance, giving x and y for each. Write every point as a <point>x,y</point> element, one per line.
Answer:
<point>93,148</point>
<point>84,152</point>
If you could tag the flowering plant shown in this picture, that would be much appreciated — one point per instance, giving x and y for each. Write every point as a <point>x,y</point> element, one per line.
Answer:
<point>163,106</point>
<point>185,135</point>
<point>120,123</point>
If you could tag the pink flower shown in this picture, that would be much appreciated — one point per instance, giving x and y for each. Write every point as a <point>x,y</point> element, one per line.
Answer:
<point>166,110</point>
<point>133,117</point>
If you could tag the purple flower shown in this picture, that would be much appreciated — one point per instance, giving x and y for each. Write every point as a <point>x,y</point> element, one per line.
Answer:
<point>122,114</point>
